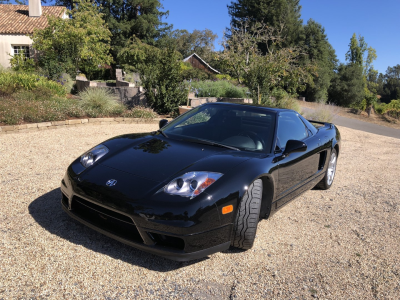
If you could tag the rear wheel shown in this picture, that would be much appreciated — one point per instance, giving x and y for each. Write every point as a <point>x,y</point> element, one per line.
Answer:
<point>327,181</point>
<point>248,215</point>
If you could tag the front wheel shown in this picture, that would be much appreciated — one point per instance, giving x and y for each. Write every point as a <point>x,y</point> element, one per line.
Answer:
<point>248,215</point>
<point>327,181</point>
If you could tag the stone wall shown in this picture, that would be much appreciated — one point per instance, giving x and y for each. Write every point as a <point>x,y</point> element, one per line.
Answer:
<point>127,93</point>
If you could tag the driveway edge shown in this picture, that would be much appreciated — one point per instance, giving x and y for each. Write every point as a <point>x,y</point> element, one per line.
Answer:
<point>31,127</point>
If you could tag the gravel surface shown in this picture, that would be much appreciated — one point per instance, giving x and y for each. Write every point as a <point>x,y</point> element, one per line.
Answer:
<point>337,244</point>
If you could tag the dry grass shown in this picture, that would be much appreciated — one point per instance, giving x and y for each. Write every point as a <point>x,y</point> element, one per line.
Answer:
<point>322,113</point>
<point>40,105</point>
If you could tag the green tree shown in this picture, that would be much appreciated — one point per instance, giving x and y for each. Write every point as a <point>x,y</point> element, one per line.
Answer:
<point>282,14</point>
<point>79,43</point>
<point>359,53</point>
<point>318,51</point>
<point>391,84</point>
<point>160,73</point>
<point>278,68</point>
<point>347,86</point>
<point>200,42</point>
<point>126,18</point>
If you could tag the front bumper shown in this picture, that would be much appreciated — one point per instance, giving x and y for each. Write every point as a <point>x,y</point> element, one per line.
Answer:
<point>170,253</point>
<point>167,237</point>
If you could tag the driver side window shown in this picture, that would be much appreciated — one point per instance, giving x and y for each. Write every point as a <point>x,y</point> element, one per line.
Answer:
<point>290,127</point>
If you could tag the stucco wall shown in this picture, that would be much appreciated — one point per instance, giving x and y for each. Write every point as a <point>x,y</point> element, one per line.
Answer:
<point>6,43</point>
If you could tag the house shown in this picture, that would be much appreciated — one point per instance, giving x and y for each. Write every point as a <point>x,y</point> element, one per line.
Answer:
<point>197,62</point>
<point>17,22</point>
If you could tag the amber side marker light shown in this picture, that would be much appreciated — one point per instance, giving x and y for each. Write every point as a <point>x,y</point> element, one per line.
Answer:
<point>227,209</point>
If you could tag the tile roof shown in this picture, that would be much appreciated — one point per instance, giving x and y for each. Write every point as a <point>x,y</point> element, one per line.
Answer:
<point>14,19</point>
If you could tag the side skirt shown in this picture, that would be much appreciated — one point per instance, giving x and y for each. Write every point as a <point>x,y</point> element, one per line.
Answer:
<point>279,203</point>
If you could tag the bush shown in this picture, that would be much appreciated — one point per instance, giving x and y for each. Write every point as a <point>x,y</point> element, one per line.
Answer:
<point>11,82</point>
<point>289,103</point>
<point>140,112</point>
<point>20,63</point>
<point>188,72</point>
<point>223,77</point>
<point>323,113</point>
<point>66,80</point>
<point>132,77</point>
<point>280,99</point>
<point>37,105</point>
<point>100,102</point>
<point>218,89</point>
<point>391,109</point>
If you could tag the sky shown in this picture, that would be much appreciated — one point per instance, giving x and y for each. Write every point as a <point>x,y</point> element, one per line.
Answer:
<point>377,21</point>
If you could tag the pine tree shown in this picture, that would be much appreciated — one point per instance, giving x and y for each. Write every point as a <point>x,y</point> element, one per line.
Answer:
<point>280,14</point>
<point>320,52</point>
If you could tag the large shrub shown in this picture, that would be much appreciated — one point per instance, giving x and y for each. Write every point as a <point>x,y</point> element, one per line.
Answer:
<point>160,74</point>
<point>347,86</point>
<point>392,109</point>
<point>99,102</point>
<point>11,82</point>
<point>140,112</point>
<point>221,88</point>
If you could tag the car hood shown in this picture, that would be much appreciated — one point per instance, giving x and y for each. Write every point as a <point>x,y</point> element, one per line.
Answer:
<point>158,158</point>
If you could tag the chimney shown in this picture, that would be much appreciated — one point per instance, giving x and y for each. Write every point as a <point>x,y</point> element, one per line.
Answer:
<point>35,8</point>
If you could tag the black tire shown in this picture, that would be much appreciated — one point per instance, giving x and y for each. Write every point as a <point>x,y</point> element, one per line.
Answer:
<point>326,182</point>
<point>248,215</point>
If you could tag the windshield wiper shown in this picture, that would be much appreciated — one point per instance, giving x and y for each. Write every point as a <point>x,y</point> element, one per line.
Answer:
<point>162,132</point>
<point>206,142</point>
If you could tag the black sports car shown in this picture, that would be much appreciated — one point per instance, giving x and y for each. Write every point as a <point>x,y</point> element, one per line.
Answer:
<point>202,182</point>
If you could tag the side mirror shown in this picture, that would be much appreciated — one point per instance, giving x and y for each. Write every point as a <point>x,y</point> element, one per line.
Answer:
<point>162,123</point>
<point>294,146</point>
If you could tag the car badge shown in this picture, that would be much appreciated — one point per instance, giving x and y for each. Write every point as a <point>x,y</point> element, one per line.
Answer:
<point>111,182</point>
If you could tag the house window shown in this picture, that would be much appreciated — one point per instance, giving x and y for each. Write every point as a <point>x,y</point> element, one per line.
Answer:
<point>21,49</point>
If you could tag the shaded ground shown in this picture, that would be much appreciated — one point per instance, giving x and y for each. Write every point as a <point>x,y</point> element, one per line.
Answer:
<point>337,244</point>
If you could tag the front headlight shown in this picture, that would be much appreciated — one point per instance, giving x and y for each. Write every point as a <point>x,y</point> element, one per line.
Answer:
<point>191,184</point>
<point>93,155</point>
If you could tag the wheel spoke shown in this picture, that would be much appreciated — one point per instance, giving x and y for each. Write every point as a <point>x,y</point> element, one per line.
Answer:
<point>331,168</point>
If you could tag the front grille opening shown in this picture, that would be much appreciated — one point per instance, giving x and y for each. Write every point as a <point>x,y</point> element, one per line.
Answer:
<point>106,219</point>
<point>168,241</point>
<point>64,200</point>
<point>103,210</point>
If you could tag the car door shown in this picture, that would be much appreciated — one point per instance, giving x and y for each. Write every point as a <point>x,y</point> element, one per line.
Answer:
<point>298,168</point>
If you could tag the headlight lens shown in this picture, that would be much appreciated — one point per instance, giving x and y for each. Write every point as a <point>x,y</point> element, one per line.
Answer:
<point>191,184</point>
<point>93,155</point>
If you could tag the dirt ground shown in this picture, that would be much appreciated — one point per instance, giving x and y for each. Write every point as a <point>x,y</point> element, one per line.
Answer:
<point>337,244</point>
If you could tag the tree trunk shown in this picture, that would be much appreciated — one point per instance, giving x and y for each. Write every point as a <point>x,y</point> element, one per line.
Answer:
<point>369,110</point>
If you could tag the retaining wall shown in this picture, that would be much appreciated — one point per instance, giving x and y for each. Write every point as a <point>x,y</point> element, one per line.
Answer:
<point>126,92</point>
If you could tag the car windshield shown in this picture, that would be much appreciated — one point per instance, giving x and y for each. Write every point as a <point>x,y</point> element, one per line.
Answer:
<point>239,127</point>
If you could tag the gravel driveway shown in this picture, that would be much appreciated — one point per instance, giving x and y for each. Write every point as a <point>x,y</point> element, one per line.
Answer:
<point>342,243</point>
